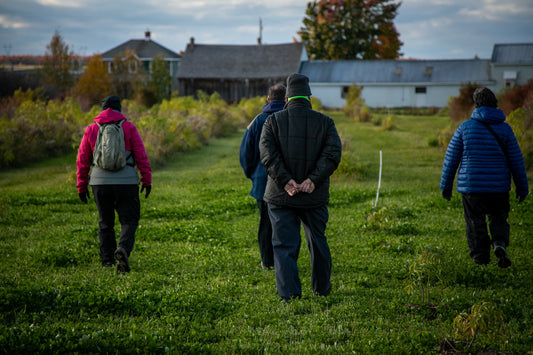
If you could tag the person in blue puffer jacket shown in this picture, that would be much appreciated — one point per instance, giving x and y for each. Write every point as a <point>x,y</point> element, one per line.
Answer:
<point>486,160</point>
<point>254,170</point>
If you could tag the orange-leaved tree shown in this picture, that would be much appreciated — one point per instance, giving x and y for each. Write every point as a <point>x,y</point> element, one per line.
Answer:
<point>95,82</point>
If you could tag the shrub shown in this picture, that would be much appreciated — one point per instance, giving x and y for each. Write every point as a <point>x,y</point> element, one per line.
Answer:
<point>252,107</point>
<point>354,102</point>
<point>521,120</point>
<point>316,103</point>
<point>350,164</point>
<point>39,130</point>
<point>365,115</point>
<point>32,129</point>
<point>516,97</point>
<point>484,319</point>
<point>388,123</point>
<point>461,107</point>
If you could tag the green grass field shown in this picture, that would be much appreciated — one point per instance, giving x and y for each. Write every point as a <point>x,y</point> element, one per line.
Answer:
<point>401,271</point>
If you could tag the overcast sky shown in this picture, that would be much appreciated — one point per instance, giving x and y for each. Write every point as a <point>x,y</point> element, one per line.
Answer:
<point>429,29</point>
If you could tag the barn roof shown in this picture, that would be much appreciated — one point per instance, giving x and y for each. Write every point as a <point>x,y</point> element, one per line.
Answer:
<point>513,54</point>
<point>397,71</point>
<point>143,48</point>
<point>240,61</point>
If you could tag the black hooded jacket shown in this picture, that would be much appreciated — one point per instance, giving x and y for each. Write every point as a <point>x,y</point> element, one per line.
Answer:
<point>299,143</point>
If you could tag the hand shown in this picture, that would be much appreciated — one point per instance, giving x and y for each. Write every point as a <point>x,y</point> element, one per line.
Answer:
<point>447,194</point>
<point>84,196</point>
<point>148,189</point>
<point>291,188</point>
<point>307,186</point>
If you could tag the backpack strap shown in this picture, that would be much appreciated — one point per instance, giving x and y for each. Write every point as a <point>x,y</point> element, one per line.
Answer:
<point>119,123</point>
<point>498,139</point>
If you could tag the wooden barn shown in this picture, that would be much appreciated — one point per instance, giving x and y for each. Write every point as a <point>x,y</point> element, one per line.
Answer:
<point>237,71</point>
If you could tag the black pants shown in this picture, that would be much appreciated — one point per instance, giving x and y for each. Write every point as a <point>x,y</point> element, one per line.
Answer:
<point>286,241</point>
<point>264,235</point>
<point>477,207</point>
<point>125,200</point>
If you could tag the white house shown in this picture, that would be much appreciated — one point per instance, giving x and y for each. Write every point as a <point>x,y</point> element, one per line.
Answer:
<point>417,83</point>
<point>512,64</point>
<point>145,51</point>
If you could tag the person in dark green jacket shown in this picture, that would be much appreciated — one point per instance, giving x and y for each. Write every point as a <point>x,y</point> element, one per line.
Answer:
<point>300,149</point>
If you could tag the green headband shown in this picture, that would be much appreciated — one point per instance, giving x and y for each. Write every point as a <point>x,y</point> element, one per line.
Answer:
<point>298,97</point>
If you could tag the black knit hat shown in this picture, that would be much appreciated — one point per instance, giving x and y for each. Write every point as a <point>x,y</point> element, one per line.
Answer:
<point>112,102</point>
<point>485,97</point>
<point>297,85</point>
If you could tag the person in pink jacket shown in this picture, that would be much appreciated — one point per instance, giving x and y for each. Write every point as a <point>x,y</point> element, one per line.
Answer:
<point>114,190</point>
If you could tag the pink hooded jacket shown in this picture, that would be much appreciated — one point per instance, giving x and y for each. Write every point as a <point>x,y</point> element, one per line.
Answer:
<point>132,140</point>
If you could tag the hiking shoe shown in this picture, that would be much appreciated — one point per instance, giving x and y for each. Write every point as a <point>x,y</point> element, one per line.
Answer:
<point>122,259</point>
<point>501,254</point>
<point>108,264</point>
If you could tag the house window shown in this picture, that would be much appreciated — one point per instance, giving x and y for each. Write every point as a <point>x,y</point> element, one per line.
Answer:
<point>509,78</point>
<point>420,90</point>
<point>132,67</point>
<point>344,92</point>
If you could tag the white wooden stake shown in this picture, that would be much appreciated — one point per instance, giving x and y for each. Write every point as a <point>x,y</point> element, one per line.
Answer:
<point>379,181</point>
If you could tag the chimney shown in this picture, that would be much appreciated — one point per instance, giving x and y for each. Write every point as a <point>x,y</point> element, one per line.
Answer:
<point>147,35</point>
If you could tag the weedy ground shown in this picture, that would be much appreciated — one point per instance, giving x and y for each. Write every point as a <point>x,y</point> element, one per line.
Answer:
<point>401,270</point>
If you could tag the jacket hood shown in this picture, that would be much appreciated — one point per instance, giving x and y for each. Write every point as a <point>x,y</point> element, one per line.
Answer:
<point>109,115</point>
<point>273,106</point>
<point>488,114</point>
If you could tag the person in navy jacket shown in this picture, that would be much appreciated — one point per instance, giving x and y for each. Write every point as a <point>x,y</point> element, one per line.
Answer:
<point>485,162</point>
<point>254,170</point>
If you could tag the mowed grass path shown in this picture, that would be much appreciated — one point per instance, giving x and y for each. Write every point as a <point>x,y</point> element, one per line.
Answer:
<point>401,271</point>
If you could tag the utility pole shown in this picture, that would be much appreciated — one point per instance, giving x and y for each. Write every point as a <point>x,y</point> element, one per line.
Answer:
<point>7,49</point>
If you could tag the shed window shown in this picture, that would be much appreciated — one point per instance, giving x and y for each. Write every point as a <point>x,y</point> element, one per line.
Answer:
<point>344,92</point>
<point>420,90</point>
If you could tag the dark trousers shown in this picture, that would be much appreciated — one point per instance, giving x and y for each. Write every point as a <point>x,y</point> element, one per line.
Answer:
<point>477,207</point>
<point>125,200</point>
<point>264,235</point>
<point>286,241</point>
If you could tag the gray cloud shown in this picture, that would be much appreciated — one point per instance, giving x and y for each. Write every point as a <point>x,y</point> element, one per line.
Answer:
<point>430,29</point>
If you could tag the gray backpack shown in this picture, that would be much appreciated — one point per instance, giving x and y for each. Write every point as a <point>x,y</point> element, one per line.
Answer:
<point>110,150</point>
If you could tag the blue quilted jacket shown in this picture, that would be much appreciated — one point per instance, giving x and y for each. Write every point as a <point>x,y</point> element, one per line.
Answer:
<point>483,167</point>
